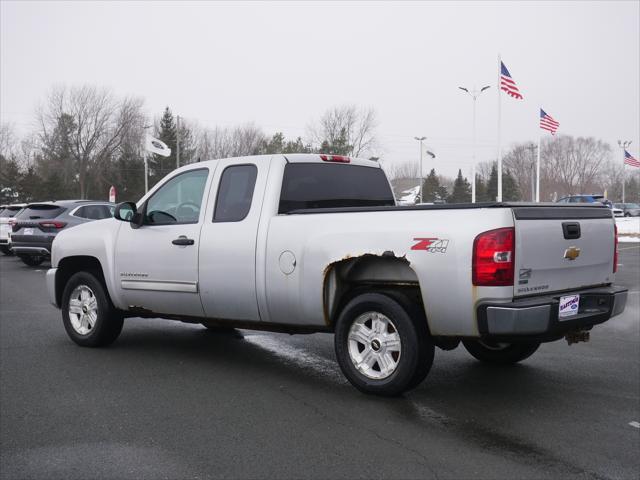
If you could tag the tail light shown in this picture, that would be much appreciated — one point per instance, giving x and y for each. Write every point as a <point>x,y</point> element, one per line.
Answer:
<point>493,258</point>
<point>52,224</point>
<point>335,158</point>
<point>12,222</point>
<point>615,248</point>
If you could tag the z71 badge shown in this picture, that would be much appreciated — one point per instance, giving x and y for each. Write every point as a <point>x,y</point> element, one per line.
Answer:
<point>431,245</point>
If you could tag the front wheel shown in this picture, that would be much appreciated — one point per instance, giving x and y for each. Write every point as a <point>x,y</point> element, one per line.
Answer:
<point>499,352</point>
<point>87,313</point>
<point>32,260</point>
<point>380,348</point>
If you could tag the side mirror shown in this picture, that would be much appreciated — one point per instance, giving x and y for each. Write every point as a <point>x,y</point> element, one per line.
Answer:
<point>125,211</point>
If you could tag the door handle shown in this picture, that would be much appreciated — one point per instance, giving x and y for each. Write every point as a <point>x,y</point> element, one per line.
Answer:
<point>182,240</point>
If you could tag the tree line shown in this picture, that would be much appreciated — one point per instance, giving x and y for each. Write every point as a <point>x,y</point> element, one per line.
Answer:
<point>86,139</point>
<point>568,166</point>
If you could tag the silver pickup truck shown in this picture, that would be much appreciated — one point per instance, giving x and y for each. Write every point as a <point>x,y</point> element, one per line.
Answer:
<point>315,243</point>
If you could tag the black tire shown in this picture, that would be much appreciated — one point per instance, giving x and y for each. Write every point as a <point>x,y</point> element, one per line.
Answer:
<point>32,260</point>
<point>6,250</point>
<point>109,321</point>
<point>627,214</point>
<point>417,349</point>
<point>500,353</point>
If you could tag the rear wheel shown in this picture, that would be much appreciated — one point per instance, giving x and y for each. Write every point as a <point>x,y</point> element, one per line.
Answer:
<point>6,250</point>
<point>499,352</point>
<point>87,313</point>
<point>380,348</point>
<point>32,260</point>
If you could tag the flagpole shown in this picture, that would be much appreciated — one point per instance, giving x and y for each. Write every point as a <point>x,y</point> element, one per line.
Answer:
<point>538,169</point>
<point>499,197</point>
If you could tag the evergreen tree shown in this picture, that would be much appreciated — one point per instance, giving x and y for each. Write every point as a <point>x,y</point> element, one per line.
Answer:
<point>492,184</point>
<point>461,190</point>
<point>481,190</point>
<point>510,190</point>
<point>10,177</point>
<point>339,146</point>
<point>160,165</point>
<point>432,190</point>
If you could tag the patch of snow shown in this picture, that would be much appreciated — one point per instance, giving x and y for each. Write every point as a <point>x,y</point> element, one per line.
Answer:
<point>628,229</point>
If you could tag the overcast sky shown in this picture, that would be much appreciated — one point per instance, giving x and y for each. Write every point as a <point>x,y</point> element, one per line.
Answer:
<point>281,65</point>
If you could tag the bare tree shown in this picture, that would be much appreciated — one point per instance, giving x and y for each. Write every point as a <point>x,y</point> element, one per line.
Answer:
<point>8,141</point>
<point>403,170</point>
<point>99,121</point>
<point>521,162</point>
<point>348,126</point>
<point>573,165</point>
<point>228,142</point>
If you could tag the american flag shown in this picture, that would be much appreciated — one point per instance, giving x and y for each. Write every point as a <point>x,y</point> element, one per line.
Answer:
<point>548,123</point>
<point>507,84</point>
<point>629,160</point>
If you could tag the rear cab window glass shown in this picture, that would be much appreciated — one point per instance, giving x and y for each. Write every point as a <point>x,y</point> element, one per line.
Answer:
<point>35,212</point>
<point>235,193</point>
<point>315,185</point>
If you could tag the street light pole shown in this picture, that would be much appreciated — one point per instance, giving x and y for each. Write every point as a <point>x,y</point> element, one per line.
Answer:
<point>623,146</point>
<point>421,139</point>
<point>474,95</point>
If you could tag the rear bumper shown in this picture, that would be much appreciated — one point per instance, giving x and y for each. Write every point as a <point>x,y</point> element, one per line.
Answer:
<point>37,245</point>
<point>537,317</point>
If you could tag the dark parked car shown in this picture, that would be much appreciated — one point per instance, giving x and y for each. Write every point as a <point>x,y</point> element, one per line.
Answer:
<point>7,212</point>
<point>37,225</point>
<point>629,209</point>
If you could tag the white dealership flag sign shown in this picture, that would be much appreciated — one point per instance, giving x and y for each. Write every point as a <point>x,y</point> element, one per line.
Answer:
<point>154,145</point>
<point>112,194</point>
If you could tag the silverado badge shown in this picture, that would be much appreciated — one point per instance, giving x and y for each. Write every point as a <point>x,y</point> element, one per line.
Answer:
<point>572,253</point>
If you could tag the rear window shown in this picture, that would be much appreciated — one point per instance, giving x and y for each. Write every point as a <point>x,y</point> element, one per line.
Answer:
<point>314,185</point>
<point>95,212</point>
<point>10,212</point>
<point>35,212</point>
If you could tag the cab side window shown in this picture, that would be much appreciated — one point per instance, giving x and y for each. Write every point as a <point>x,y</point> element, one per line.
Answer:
<point>235,193</point>
<point>178,201</point>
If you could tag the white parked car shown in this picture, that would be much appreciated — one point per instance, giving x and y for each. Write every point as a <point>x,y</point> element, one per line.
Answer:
<point>7,214</point>
<point>315,243</point>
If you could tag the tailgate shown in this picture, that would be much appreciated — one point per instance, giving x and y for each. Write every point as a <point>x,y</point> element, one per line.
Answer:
<point>562,248</point>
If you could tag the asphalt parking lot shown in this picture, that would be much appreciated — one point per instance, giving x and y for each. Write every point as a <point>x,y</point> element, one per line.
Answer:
<point>172,400</point>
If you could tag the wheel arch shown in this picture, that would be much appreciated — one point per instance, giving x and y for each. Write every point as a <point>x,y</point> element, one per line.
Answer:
<point>386,273</point>
<point>68,266</point>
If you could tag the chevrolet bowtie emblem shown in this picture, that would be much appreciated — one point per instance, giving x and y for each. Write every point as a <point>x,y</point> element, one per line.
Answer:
<point>572,253</point>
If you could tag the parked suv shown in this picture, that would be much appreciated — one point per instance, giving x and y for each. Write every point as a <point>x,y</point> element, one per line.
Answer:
<point>629,209</point>
<point>37,225</point>
<point>7,212</point>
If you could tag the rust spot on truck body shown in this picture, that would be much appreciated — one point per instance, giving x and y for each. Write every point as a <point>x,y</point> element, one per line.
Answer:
<point>387,254</point>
